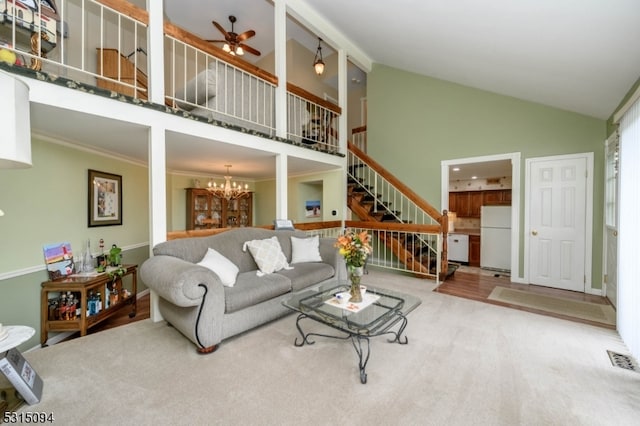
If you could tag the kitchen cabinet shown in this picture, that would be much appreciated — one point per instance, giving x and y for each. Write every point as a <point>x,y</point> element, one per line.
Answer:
<point>499,197</point>
<point>466,203</point>
<point>474,250</point>
<point>206,210</point>
<point>475,203</point>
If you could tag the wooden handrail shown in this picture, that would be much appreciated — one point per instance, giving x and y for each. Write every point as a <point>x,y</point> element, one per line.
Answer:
<point>393,226</point>
<point>358,130</point>
<point>172,30</point>
<point>127,9</point>
<point>410,194</point>
<point>313,98</point>
<point>195,41</point>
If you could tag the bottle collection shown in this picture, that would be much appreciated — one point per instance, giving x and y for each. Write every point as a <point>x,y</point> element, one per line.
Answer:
<point>67,306</point>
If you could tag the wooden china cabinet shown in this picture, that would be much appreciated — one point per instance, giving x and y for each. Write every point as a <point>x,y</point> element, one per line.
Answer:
<point>206,210</point>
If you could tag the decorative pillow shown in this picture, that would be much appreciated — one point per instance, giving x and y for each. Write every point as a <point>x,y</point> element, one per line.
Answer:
<point>268,255</point>
<point>305,249</point>
<point>197,90</point>
<point>223,267</point>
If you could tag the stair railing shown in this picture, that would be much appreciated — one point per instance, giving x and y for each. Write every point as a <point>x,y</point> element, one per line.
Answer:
<point>399,203</point>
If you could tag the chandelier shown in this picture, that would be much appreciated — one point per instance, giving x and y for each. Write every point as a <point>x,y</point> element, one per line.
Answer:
<point>318,63</point>
<point>229,190</point>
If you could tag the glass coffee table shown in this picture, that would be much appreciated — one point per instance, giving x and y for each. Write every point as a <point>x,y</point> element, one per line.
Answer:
<point>379,313</point>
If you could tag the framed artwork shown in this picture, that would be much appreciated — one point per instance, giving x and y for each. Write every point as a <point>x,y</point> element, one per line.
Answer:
<point>105,199</point>
<point>312,208</point>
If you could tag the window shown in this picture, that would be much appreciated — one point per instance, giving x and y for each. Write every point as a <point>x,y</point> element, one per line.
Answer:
<point>611,181</point>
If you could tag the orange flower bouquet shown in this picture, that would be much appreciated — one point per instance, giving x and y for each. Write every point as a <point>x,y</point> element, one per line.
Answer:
<point>355,248</point>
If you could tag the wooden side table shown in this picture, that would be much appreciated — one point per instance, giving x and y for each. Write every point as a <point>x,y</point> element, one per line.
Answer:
<point>82,287</point>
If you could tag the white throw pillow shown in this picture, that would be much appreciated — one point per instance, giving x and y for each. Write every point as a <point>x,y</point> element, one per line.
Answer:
<point>223,267</point>
<point>268,255</point>
<point>305,249</point>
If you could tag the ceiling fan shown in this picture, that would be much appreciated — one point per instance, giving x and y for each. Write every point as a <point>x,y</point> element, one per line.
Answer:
<point>233,42</point>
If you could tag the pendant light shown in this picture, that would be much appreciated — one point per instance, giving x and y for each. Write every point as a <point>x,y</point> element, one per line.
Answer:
<point>318,63</point>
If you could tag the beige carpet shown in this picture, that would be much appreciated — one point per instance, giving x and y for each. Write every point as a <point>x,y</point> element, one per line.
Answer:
<point>584,310</point>
<point>466,363</point>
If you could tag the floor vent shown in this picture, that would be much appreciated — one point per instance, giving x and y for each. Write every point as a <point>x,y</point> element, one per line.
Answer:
<point>623,361</point>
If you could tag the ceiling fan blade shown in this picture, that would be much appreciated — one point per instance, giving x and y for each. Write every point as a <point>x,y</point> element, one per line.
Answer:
<point>245,35</point>
<point>222,30</point>
<point>250,49</point>
<point>216,41</point>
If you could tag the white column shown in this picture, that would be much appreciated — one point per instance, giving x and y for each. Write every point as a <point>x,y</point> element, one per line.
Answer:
<point>156,52</point>
<point>280,19</point>
<point>281,187</point>
<point>343,132</point>
<point>157,200</point>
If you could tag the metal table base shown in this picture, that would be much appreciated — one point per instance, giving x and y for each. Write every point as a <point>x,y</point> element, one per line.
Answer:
<point>359,341</point>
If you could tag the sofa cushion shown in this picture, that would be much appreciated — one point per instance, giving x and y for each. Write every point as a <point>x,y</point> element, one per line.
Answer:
<point>307,274</point>
<point>305,249</point>
<point>223,267</point>
<point>249,290</point>
<point>268,255</point>
<point>197,90</point>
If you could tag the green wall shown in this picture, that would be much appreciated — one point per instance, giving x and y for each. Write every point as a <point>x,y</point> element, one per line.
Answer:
<point>415,122</point>
<point>317,186</point>
<point>48,203</point>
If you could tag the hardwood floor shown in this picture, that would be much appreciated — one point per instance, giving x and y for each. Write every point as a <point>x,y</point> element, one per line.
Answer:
<point>478,286</point>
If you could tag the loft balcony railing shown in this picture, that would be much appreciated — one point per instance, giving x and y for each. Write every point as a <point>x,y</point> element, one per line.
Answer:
<point>104,43</point>
<point>66,41</point>
<point>359,138</point>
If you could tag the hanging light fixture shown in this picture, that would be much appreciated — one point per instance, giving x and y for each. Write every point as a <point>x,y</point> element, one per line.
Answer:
<point>228,190</point>
<point>318,63</point>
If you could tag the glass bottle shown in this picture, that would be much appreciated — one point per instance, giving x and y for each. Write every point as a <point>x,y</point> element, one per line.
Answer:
<point>87,262</point>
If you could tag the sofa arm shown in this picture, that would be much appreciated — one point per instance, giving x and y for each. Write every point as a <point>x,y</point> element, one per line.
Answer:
<point>180,282</point>
<point>330,255</point>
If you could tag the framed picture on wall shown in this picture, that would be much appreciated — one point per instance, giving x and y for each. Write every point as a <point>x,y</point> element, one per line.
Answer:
<point>312,208</point>
<point>105,199</point>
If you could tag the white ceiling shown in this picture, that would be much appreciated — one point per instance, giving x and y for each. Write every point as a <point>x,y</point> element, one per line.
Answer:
<point>578,55</point>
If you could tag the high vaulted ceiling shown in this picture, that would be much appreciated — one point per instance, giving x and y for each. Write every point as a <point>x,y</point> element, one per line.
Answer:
<point>578,55</point>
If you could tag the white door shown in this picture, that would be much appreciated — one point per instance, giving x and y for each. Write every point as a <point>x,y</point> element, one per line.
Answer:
<point>557,221</point>
<point>611,219</point>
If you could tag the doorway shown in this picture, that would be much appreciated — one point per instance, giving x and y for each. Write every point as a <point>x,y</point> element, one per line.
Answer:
<point>558,221</point>
<point>478,162</point>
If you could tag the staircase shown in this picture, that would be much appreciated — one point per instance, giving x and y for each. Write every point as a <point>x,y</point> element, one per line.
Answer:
<point>117,67</point>
<point>409,227</point>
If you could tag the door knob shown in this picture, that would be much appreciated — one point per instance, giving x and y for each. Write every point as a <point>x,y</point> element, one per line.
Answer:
<point>534,232</point>
<point>615,233</point>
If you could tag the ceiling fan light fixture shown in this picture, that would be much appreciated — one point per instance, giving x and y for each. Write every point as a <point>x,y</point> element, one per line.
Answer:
<point>239,51</point>
<point>318,63</point>
<point>226,48</point>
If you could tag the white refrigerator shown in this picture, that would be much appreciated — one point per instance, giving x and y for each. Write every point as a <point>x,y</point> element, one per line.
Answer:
<point>495,237</point>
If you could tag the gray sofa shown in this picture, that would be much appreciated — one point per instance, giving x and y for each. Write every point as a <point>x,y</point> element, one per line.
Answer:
<point>193,299</point>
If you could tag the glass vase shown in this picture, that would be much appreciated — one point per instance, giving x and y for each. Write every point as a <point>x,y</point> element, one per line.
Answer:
<point>87,259</point>
<point>355,274</point>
